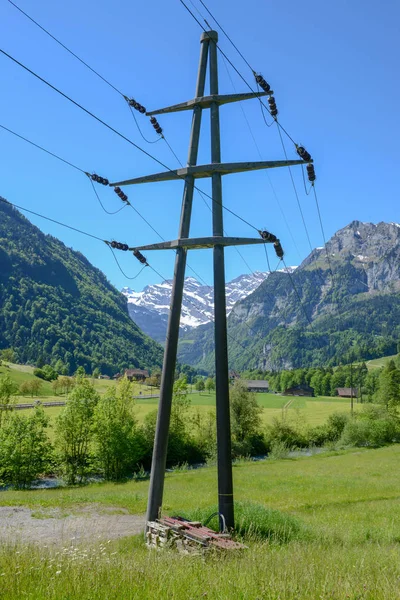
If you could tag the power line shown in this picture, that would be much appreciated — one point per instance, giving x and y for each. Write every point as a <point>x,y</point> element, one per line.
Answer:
<point>295,192</point>
<point>260,156</point>
<point>121,135</point>
<point>226,35</point>
<point>43,149</point>
<point>120,268</point>
<point>237,71</point>
<point>95,237</point>
<point>95,191</point>
<point>102,205</point>
<point>140,131</point>
<point>87,66</point>
<point>67,49</point>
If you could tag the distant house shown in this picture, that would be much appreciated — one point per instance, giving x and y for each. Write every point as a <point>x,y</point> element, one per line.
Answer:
<point>346,392</point>
<point>299,390</point>
<point>104,377</point>
<point>136,374</point>
<point>254,385</point>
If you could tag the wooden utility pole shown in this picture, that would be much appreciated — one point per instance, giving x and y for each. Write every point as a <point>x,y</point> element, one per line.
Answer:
<point>217,241</point>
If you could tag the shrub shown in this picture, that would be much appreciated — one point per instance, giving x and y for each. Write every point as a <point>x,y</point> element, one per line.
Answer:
<point>47,373</point>
<point>287,433</point>
<point>278,450</point>
<point>336,423</point>
<point>366,431</point>
<point>319,435</point>
<point>25,449</point>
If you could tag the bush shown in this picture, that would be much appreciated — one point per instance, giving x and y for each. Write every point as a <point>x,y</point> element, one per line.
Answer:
<point>47,373</point>
<point>25,449</point>
<point>319,435</point>
<point>287,433</point>
<point>336,423</point>
<point>371,430</point>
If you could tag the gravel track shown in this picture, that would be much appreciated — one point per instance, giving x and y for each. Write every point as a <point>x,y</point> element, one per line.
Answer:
<point>52,527</point>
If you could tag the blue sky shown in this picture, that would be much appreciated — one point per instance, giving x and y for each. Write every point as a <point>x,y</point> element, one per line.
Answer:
<point>334,70</point>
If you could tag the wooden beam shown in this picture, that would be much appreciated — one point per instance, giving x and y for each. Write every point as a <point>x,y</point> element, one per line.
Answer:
<point>203,242</point>
<point>201,171</point>
<point>206,101</point>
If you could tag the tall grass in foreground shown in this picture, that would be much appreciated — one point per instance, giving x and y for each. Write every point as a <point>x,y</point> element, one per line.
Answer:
<point>127,570</point>
<point>255,522</point>
<point>319,528</point>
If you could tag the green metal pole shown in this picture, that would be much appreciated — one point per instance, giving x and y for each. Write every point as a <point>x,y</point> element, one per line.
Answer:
<point>225,480</point>
<point>159,459</point>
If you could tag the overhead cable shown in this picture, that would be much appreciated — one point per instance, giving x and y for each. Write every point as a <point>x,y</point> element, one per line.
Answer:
<point>121,135</point>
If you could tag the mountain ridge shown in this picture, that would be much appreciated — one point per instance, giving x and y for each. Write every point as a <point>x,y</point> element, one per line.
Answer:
<point>55,305</point>
<point>359,305</point>
<point>149,308</point>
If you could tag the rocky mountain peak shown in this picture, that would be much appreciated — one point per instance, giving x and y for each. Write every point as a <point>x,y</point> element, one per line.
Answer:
<point>365,244</point>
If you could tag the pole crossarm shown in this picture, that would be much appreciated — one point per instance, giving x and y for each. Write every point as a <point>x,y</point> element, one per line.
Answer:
<point>204,242</point>
<point>206,101</point>
<point>201,171</point>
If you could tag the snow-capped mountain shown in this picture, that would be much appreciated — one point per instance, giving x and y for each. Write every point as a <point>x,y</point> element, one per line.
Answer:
<point>149,308</point>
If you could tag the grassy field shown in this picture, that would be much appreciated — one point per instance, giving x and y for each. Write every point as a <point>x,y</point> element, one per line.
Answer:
<point>21,373</point>
<point>313,411</point>
<point>377,363</point>
<point>341,520</point>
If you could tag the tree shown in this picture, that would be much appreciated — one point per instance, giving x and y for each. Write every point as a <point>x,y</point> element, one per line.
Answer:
<point>210,384</point>
<point>245,412</point>
<point>66,384</point>
<point>317,382</point>
<point>389,386</point>
<point>7,389</point>
<point>25,448</point>
<point>31,387</point>
<point>56,386</point>
<point>74,431</point>
<point>372,384</point>
<point>119,447</point>
<point>180,404</point>
<point>47,373</point>
<point>96,373</point>
<point>199,385</point>
<point>60,367</point>
<point>156,375</point>
<point>8,355</point>
<point>80,372</point>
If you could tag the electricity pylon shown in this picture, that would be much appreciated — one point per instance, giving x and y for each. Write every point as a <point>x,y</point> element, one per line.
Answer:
<point>217,241</point>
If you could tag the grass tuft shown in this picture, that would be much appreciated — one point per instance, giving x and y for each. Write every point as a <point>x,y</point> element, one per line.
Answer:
<point>255,522</point>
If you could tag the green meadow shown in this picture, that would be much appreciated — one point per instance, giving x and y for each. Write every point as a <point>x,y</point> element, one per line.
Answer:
<point>328,528</point>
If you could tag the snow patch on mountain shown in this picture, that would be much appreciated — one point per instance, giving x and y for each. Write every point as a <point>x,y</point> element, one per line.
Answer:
<point>150,307</point>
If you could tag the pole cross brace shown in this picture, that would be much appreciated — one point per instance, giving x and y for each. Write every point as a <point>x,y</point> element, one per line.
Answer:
<point>201,171</point>
<point>206,101</point>
<point>204,242</point>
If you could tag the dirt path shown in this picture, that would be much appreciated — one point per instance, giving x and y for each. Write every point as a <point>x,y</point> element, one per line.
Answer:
<point>51,527</point>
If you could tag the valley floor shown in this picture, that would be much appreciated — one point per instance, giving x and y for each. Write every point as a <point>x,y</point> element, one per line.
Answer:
<point>342,538</point>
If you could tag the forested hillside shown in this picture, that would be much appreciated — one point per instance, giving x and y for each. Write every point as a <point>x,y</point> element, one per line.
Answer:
<point>54,305</point>
<point>311,318</point>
